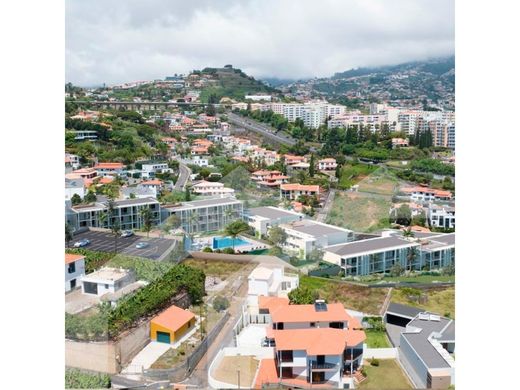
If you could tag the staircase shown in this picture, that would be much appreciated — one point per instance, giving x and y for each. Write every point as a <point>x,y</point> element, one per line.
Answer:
<point>359,377</point>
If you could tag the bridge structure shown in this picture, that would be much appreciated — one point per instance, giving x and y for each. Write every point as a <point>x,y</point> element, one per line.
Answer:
<point>137,106</point>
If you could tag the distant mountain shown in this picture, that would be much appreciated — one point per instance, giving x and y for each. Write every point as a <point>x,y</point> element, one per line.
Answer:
<point>276,82</point>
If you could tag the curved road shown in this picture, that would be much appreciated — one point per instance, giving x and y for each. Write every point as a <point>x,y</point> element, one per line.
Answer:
<point>184,175</point>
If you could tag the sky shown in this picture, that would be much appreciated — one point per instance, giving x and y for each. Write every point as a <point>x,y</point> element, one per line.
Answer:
<point>116,41</point>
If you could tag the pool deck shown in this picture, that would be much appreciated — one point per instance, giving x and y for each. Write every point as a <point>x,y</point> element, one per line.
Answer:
<point>250,246</point>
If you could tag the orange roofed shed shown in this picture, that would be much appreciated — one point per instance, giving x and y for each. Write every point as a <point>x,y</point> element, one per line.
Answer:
<point>170,325</point>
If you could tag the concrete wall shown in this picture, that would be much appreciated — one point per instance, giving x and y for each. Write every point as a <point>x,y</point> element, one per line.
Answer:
<point>380,353</point>
<point>107,356</point>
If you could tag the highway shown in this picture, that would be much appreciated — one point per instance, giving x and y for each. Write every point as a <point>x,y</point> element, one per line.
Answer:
<point>257,127</point>
<point>184,175</point>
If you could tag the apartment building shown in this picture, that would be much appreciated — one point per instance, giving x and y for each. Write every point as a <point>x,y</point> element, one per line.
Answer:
<point>306,235</point>
<point>374,255</point>
<point>208,188</point>
<point>269,179</point>
<point>206,215</point>
<point>74,187</point>
<point>149,170</point>
<point>451,135</point>
<point>293,191</point>
<point>375,121</point>
<point>441,216</point>
<point>263,218</point>
<point>127,213</point>
<point>317,344</point>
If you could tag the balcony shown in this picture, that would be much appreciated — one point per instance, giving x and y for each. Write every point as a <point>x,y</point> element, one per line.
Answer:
<point>315,365</point>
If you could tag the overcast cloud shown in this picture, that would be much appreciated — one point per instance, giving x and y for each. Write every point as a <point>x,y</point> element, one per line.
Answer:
<point>115,41</point>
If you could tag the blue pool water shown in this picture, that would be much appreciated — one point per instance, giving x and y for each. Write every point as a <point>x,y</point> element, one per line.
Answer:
<point>227,242</point>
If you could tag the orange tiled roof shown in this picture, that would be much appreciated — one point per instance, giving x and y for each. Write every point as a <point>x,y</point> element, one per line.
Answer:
<point>173,318</point>
<point>267,373</point>
<point>155,182</point>
<point>317,341</point>
<point>300,187</point>
<point>71,258</point>
<point>272,303</point>
<point>108,165</point>
<point>307,313</point>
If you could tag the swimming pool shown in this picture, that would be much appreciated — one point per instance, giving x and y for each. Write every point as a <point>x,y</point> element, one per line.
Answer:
<point>227,242</point>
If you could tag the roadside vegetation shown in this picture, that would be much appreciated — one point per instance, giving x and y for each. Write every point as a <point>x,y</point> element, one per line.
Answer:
<point>439,300</point>
<point>76,379</point>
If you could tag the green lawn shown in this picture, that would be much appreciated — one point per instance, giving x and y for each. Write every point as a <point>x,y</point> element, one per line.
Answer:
<point>368,300</point>
<point>387,376</point>
<point>416,279</point>
<point>376,339</point>
<point>219,268</point>
<point>440,300</point>
<point>359,212</point>
<point>351,174</point>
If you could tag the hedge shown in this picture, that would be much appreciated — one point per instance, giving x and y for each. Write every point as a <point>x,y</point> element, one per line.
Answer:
<point>75,379</point>
<point>93,259</point>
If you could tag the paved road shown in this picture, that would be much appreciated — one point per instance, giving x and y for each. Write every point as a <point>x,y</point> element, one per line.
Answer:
<point>265,130</point>
<point>322,216</point>
<point>104,241</point>
<point>184,175</point>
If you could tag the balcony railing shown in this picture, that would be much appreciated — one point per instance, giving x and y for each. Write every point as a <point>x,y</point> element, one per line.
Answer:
<point>322,366</point>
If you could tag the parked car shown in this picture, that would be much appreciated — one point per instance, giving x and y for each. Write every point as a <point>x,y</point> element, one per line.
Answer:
<point>141,245</point>
<point>127,233</point>
<point>81,243</point>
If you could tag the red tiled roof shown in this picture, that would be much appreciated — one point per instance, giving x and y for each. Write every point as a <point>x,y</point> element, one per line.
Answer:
<point>107,165</point>
<point>308,313</point>
<point>71,258</point>
<point>173,318</point>
<point>300,187</point>
<point>267,373</point>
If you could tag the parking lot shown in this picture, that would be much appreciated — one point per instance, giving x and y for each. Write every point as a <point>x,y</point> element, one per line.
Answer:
<point>157,249</point>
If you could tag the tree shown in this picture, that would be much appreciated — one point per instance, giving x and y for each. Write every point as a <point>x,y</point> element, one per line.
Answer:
<point>275,251</point>
<point>210,110</point>
<point>277,236</point>
<point>69,235</point>
<point>402,215</point>
<point>408,233</point>
<point>146,219</point>
<point>315,255</point>
<point>75,199</point>
<point>90,197</point>
<point>187,195</point>
<point>236,228</point>
<point>312,166</point>
<point>396,270</point>
<point>449,270</point>
<point>410,257</point>
<point>303,296</point>
<point>115,226</point>
<point>220,303</point>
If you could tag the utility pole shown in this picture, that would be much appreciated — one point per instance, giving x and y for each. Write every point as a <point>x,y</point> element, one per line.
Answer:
<point>238,372</point>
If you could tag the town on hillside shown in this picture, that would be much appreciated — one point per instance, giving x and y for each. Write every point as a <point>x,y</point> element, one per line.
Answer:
<point>223,232</point>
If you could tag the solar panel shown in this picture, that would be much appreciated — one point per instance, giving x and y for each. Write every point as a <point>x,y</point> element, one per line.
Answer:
<point>320,305</point>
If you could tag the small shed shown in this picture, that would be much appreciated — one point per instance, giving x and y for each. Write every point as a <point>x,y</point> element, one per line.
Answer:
<point>170,325</point>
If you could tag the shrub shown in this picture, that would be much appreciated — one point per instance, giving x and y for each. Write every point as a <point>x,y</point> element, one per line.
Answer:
<point>220,303</point>
<point>207,249</point>
<point>374,362</point>
<point>75,379</point>
<point>229,251</point>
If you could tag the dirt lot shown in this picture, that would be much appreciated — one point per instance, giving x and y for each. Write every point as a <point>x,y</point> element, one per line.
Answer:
<point>228,369</point>
<point>438,300</point>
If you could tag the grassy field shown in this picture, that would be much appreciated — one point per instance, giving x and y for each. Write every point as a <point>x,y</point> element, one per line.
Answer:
<point>222,269</point>
<point>439,300</point>
<point>412,279</point>
<point>367,300</point>
<point>377,339</point>
<point>388,375</point>
<point>352,174</point>
<point>382,184</point>
<point>359,212</point>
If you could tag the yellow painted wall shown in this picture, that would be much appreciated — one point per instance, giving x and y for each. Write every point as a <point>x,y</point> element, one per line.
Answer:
<point>174,336</point>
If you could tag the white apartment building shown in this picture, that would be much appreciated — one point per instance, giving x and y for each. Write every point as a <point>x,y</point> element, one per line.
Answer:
<point>149,170</point>
<point>263,218</point>
<point>74,269</point>
<point>327,164</point>
<point>306,235</point>
<point>208,188</point>
<point>74,186</point>
<point>259,98</point>
<point>451,135</point>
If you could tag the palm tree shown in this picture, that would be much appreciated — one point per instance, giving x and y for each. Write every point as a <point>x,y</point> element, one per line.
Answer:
<point>235,228</point>
<point>408,233</point>
<point>412,255</point>
<point>69,235</point>
<point>146,219</point>
<point>103,218</point>
<point>228,213</point>
<point>115,226</point>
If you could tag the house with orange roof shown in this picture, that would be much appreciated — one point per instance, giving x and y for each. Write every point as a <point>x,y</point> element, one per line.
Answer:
<point>293,191</point>
<point>209,188</point>
<point>426,194</point>
<point>317,344</point>
<point>109,168</point>
<point>327,164</point>
<point>84,173</point>
<point>291,159</point>
<point>74,269</point>
<point>171,324</point>
<point>269,179</point>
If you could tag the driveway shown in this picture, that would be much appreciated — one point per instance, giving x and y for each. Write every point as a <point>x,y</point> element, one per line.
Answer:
<point>76,302</point>
<point>146,357</point>
<point>394,333</point>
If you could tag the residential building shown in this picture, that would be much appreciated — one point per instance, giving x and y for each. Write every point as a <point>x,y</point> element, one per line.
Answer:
<point>315,344</point>
<point>155,186</point>
<point>209,188</point>
<point>451,136</point>
<point>306,235</point>
<point>206,215</point>
<point>138,192</point>
<point>106,280</point>
<point>426,194</point>
<point>73,160</point>
<point>81,135</point>
<point>127,213</point>
<point>108,168</point>
<point>399,143</point>
<point>171,324</point>
<point>149,170</point>
<point>197,160</point>
<point>327,164</point>
<point>263,218</point>
<point>74,187</point>
<point>74,269</point>
<point>441,216</point>
<point>258,98</point>
<point>426,346</point>
<point>269,178</point>
<point>380,254</point>
<point>269,282</point>
<point>293,191</point>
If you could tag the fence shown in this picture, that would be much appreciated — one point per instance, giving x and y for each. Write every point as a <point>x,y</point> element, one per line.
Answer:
<point>182,370</point>
<point>333,270</point>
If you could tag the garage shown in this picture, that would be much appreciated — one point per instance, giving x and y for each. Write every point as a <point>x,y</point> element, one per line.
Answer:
<point>163,337</point>
<point>400,315</point>
<point>396,320</point>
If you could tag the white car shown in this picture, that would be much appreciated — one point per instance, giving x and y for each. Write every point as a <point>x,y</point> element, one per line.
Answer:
<point>141,245</point>
<point>81,243</point>
<point>127,233</point>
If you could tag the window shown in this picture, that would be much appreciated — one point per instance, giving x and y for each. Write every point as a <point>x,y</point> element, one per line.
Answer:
<point>72,268</point>
<point>313,324</point>
<point>106,285</point>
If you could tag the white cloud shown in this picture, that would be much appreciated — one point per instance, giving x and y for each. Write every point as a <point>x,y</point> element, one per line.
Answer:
<point>115,41</point>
